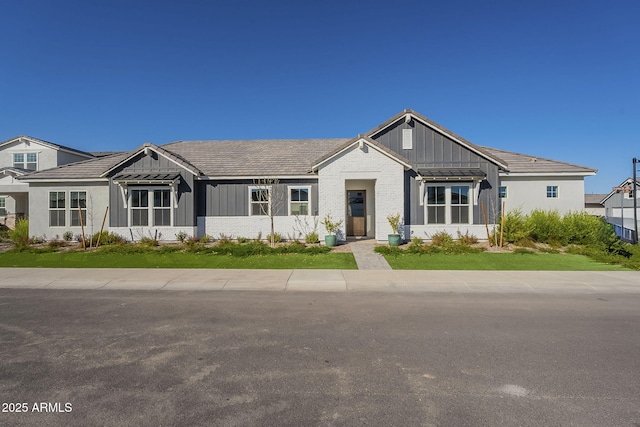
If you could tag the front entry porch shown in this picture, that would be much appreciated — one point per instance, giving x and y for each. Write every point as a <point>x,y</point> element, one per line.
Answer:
<point>360,208</point>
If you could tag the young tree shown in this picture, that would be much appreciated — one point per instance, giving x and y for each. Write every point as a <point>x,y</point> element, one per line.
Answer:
<point>267,198</point>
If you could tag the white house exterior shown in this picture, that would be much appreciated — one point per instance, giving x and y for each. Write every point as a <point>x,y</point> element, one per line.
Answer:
<point>19,157</point>
<point>435,179</point>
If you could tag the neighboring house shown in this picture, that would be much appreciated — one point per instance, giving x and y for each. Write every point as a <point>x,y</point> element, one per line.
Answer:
<point>20,156</point>
<point>593,204</point>
<point>434,178</point>
<point>618,207</point>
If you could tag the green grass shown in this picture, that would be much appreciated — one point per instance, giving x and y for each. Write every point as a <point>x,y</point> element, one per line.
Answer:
<point>341,261</point>
<point>498,261</point>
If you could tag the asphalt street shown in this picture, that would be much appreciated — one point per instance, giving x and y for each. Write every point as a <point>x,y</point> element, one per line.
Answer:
<point>169,358</point>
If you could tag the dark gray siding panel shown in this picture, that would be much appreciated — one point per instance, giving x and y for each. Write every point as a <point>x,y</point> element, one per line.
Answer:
<point>231,197</point>
<point>184,212</point>
<point>431,149</point>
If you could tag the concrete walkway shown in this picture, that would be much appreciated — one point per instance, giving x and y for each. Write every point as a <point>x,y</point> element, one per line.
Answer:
<point>567,282</point>
<point>365,257</point>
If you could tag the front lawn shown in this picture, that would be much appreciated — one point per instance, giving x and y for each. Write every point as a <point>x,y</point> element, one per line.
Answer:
<point>157,259</point>
<point>497,261</point>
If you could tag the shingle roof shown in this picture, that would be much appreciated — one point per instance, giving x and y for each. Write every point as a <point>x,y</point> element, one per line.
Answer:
<point>525,163</point>
<point>276,157</point>
<point>594,199</point>
<point>51,144</point>
<point>91,168</point>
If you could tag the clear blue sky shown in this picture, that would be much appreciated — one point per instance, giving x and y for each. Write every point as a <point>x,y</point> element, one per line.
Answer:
<point>557,79</point>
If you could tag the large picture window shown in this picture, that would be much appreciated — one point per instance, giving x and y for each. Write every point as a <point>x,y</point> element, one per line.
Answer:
<point>150,206</point>
<point>448,204</point>
<point>57,209</point>
<point>299,201</point>
<point>78,206</point>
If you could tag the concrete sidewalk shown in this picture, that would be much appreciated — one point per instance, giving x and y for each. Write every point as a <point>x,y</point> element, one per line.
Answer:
<point>324,280</point>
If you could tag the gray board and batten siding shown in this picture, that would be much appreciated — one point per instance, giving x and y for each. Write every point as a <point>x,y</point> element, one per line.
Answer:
<point>231,197</point>
<point>184,213</point>
<point>433,150</point>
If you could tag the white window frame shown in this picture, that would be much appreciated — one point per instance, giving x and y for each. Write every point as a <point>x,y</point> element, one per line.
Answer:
<point>448,205</point>
<point>506,192</point>
<point>150,208</point>
<point>3,204</point>
<point>25,160</point>
<point>267,188</point>
<point>154,208</point>
<point>72,209</point>
<point>554,190</point>
<point>300,187</point>
<point>57,208</point>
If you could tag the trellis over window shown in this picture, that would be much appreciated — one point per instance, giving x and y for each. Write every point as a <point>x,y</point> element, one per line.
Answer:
<point>172,180</point>
<point>449,194</point>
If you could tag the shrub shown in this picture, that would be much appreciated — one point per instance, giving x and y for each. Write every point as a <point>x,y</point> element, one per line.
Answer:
<point>20,234</point>
<point>467,238</point>
<point>223,238</point>
<point>181,236</point>
<point>441,238</point>
<point>312,237</point>
<point>243,240</point>
<point>514,227</point>
<point>205,239</point>
<point>56,244</point>
<point>4,232</point>
<point>275,238</point>
<point>388,250</point>
<point>546,227</point>
<point>149,242</point>
<point>67,236</point>
<point>106,238</point>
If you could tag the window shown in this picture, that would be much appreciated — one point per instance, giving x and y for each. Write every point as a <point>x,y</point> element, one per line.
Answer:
<point>552,191</point>
<point>31,162</point>
<point>299,201</point>
<point>3,206</point>
<point>502,192</point>
<point>259,201</point>
<point>140,208</point>
<point>460,204</point>
<point>150,206</point>
<point>436,202</point>
<point>56,209</point>
<point>161,207</point>
<point>78,205</point>
<point>448,204</point>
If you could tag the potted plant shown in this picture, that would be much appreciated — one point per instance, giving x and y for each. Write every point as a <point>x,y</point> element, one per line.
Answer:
<point>331,226</point>
<point>394,222</point>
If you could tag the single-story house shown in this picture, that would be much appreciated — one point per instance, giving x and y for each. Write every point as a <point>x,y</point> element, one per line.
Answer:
<point>410,165</point>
